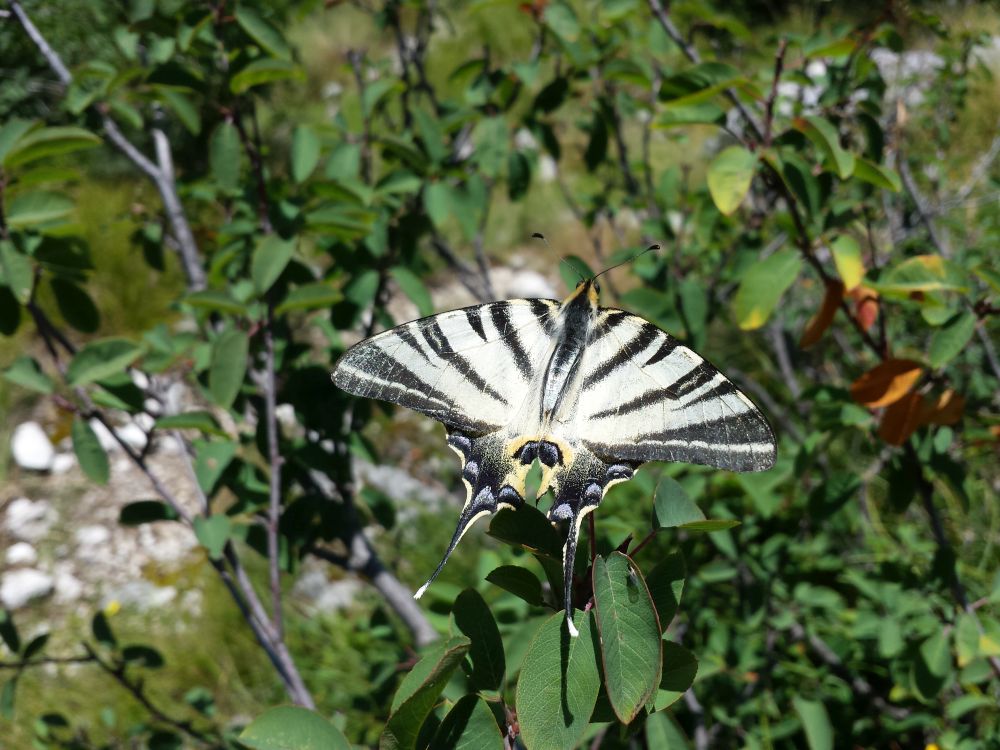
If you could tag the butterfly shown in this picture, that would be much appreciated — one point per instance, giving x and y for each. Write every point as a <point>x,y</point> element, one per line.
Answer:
<point>590,392</point>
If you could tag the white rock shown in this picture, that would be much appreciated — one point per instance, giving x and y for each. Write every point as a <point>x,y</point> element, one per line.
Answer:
<point>92,536</point>
<point>134,435</point>
<point>104,436</point>
<point>524,139</point>
<point>63,462</point>
<point>548,170</point>
<point>21,553</point>
<point>145,421</point>
<point>29,520</point>
<point>285,414</point>
<point>24,585</point>
<point>140,379</point>
<point>142,595</point>
<point>31,447</point>
<point>68,587</point>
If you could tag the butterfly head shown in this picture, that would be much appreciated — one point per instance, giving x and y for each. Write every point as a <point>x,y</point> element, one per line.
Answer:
<point>586,294</point>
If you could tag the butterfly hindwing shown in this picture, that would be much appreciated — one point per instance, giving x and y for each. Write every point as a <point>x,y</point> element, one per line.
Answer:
<point>643,396</point>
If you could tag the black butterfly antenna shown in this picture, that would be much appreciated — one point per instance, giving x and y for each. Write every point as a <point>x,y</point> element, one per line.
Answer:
<point>629,260</point>
<point>540,236</point>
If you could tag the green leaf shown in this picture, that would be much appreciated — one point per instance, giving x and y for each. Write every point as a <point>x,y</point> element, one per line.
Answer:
<point>101,629</point>
<point>475,620</point>
<point>210,460</point>
<point>27,373</point>
<point>7,694</point>
<point>191,420</point>
<point>877,175</point>
<point>762,287</point>
<point>561,18</point>
<point>816,722</point>
<point>672,506</point>
<point>419,691</point>
<point>146,511</point>
<point>8,632</point>
<point>729,177</point>
<point>559,682</point>
<point>519,581</point>
<point>182,106</point>
<point>101,359</point>
<point>666,583</point>
<point>263,71</point>
<point>922,273</point>
<point>224,152</point>
<point>292,728</point>
<point>76,306</point>
<point>213,533</point>
<point>663,733</point>
<point>210,299</point>
<point>10,312</point>
<point>529,528</point>
<point>413,288</point>
<point>825,137</point>
<point>143,656</point>
<point>18,271</point>
<point>710,524</point>
<point>680,667</point>
<point>491,136</point>
<point>270,257</point>
<point>966,703</point>
<point>438,203</point>
<point>93,460</point>
<point>305,152</point>
<point>10,133</point>
<point>518,175</point>
<point>949,340</point>
<point>228,367</point>
<point>37,207</point>
<point>631,648</point>
<point>309,297</point>
<point>262,32</point>
<point>468,726</point>
<point>45,142</point>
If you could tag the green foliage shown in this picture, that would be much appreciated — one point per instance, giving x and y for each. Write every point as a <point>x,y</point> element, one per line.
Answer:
<point>847,596</point>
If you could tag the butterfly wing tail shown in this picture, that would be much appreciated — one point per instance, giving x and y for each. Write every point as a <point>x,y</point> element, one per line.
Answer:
<point>470,514</point>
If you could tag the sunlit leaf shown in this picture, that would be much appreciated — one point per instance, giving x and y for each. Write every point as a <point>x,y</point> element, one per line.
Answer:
<point>263,71</point>
<point>89,452</point>
<point>847,257</point>
<point>762,287</point>
<point>949,340</point>
<point>729,177</point>
<point>101,359</point>
<point>923,273</point>
<point>824,135</point>
<point>305,152</point>
<point>886,382</point>
<point>815,722</point>
<point>262,32</point>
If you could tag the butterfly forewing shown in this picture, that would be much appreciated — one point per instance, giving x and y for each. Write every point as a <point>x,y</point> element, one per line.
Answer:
<point>469,368</point>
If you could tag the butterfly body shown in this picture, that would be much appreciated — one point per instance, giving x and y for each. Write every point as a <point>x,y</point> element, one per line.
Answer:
<point>590,392</point>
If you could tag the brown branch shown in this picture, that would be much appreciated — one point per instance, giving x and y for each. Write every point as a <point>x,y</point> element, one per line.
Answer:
<point>779,63</point>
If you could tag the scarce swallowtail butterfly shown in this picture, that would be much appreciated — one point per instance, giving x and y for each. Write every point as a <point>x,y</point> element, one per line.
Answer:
<point>591,392</point>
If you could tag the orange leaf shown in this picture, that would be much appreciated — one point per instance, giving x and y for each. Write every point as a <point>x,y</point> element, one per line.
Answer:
<point>824,316</point>
<point>886,383</point>
<point>901,419</point>
<point>865,305</point>
<point>946,410</point>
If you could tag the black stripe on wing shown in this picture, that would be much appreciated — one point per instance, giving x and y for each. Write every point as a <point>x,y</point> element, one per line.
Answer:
<point>646,335</point>
<point>438,342</point>
<point>500,313</point>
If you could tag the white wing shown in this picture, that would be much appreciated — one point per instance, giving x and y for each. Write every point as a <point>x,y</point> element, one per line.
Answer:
<point>469,368</point>
<point>642,396</point>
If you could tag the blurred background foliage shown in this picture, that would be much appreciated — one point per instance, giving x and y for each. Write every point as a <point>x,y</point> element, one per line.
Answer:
<point>823,180</point>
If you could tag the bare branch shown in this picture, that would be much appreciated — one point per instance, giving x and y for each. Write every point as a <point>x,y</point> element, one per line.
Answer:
<point>923,210</point>
<point>160,174</point>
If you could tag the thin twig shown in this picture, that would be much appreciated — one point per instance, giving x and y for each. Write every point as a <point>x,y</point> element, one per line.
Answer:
<point>779,63</point>
<point>692,54</point>
<point>275,461</point>
<point>923,210</point>
<point>137,691</point>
